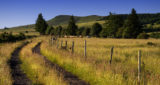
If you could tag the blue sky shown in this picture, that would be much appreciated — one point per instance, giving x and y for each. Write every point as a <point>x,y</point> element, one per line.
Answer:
<point>23,12</point>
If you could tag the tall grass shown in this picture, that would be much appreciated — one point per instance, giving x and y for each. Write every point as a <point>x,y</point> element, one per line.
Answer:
<point>5,53</point>
<point>35,68</point>
<point>97,70</point>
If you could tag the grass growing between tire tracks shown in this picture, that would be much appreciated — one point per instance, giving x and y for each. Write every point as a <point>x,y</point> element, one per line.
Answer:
<point>36,69</point>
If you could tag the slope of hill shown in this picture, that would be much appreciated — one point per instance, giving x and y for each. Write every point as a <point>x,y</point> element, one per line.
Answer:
<point>145,18</point>
<point>148,21</point>
<point>63,19</point>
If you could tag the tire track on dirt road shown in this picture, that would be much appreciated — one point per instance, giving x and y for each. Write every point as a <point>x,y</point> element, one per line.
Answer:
<point>67,76</point>
<point>18,76</point>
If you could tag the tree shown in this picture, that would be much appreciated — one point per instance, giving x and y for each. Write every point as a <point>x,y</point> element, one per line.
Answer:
<point>132,26</point>
<point>52,32</point>
<point>96,29</point>
<point>6,28</point>
<point>80,30</point>
<point>64,32</point>
<point>119,32</point>
<point>113,23</point>
<point>41,25</point>
<point>72,27</point>
<point>49,29</point>
<point>59,30</point>
<point>86,32</point>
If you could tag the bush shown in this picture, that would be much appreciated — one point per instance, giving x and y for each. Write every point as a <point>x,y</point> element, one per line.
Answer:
<point>48,30</point>
<point>86,32</point>
<point>150,43</point>
<point>155,35</point>
<point>96,29</point>
<point>26,31</point>
<point>143,36</point>
<point>21,36</point>
<point>8,37</point>
<point>80,31</point>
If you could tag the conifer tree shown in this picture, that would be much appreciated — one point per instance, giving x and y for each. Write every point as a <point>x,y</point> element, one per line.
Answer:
<point>59,31</point>
<point>96,29</point>
<point>72,27</point>
<point>41,25</point>
<point>113,23</point>
<point>132,26</point>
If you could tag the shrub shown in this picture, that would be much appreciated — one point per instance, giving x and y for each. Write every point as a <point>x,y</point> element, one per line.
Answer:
<point>143,36</point>
<point>8,37</point>
<point>21,36</point>
<point>151,44</point>
<point>26,31</point>
<point>86,32</point>
<point>96,29</point>
<point>80,31</point>
<point>155,35</point>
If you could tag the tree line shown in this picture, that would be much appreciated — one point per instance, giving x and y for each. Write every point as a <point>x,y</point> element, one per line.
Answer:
<point>115,27</point>
<point>144,18</point>
<point>9,37</point>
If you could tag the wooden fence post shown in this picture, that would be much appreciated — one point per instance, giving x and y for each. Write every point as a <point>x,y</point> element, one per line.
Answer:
<point>61,43</point>
<point>85,46</point>
<point>139,67</point>
<point>72,46</point>
<point>66,44</point>
<point>111,55</point>
<point>57,44</point>
<point>52,40</point>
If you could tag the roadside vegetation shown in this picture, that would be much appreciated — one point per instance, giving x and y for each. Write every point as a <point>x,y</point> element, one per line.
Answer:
<point>97,70</point>
<point>35,68</point>
<point>5,53</point>
<point>9,37</point>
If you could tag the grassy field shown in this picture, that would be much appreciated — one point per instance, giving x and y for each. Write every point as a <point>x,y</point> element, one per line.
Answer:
<point>86,24</point>
<point>35,68</point>
<point>89,24</point>
<point>5,52</point>
<point>97,70</point>
<point>94,69</point>
<point>26,31</point>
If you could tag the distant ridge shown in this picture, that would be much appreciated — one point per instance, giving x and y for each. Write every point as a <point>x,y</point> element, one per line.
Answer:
<point>145,18</point>
<point>63,19</point>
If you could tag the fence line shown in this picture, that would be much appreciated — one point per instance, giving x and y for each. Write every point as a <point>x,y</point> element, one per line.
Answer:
<point>111,55</point>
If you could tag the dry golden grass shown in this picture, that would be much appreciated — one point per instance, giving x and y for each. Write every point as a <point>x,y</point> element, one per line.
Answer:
<point>97,70</point>
<point>5,53</point>
<point>36,69</point>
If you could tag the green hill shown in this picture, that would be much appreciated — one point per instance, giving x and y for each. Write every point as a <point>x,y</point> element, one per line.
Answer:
<point>63,19</point>
<point>148,21</point>
<point>58,20</point>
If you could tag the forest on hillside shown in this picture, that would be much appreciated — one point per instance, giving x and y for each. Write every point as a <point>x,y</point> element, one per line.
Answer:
<point>132,25</point>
